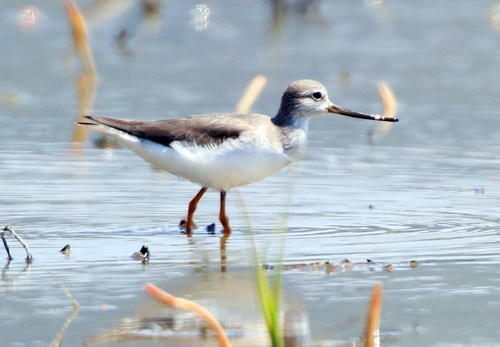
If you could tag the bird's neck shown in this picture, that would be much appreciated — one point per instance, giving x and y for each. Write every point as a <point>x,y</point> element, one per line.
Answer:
<point>294,131</point>
<point>290,120</point>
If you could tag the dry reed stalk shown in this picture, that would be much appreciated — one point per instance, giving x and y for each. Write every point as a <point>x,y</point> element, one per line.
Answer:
<point>170,300</point>
<point>390,106</point>
<point>372,333</point>
<point>86,86</point>
<point>80,36</point>
<point>253,90</point>
<point>87,81</point>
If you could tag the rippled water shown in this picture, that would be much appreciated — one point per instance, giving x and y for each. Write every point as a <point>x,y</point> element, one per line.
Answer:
<point>427,191</point>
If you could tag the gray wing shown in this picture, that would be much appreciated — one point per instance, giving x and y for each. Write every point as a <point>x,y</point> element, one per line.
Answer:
<point>201,130</point>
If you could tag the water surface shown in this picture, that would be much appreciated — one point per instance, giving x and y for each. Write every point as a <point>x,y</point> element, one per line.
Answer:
<point>427,191</point>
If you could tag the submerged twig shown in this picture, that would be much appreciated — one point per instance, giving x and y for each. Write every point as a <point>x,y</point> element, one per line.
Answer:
<point>170,300</point>
<point>372,329</point>
<point>10,228</point>
<point>56,342</point>
<point>5,244</point>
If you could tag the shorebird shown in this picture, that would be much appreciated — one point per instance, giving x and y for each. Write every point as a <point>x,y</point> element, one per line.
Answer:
<point>226,150</point>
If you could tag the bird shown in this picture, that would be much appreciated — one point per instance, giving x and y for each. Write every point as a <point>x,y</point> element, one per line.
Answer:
<point>143,255</point>
<point>221,151</point>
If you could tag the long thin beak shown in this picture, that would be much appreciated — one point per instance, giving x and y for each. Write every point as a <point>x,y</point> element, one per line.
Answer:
<point>344,112</point>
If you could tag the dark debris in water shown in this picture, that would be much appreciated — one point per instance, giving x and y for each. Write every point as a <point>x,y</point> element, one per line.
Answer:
<point>344,266</point>
<point>211,229</point>
<point>182,225</point>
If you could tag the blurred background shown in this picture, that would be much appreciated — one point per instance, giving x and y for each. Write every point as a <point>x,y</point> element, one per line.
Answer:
<point>425,189</point>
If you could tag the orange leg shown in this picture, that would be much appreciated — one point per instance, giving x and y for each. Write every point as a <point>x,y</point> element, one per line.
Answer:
<point>192,209</point>
<point>222,214</point>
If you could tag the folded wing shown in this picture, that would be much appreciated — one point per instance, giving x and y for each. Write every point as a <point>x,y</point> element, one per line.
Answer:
<point>201,131</point>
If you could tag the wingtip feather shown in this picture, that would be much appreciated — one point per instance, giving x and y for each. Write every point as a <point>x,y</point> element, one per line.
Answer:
<point>85,123</point>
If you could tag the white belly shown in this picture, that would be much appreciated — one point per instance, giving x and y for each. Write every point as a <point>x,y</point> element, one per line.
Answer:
<point>232,164</point>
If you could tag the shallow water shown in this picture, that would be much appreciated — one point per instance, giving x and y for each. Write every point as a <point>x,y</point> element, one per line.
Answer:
<point>427,191</point>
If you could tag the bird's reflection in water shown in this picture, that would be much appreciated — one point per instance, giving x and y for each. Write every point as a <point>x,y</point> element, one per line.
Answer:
<point>230,296</point>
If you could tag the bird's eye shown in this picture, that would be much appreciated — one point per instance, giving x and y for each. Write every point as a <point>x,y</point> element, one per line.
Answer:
<point>317,95</point>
